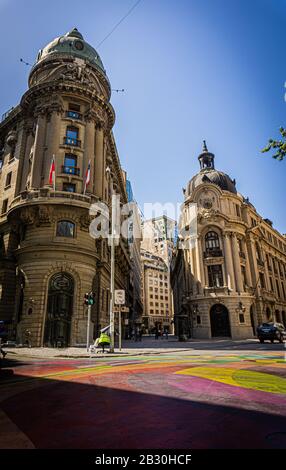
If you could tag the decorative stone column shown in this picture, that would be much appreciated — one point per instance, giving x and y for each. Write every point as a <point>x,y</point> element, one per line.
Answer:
<point>236,263</point>
<point>89,144</point>
<point>99,162</point>
<point>228,261</point>
<point>253,265</point>
<point>26,163</point>
<point>38,152</point>
<point>53,143</point>
<point>247,264</point>
<point>20,155</point>
<point>198,254</point>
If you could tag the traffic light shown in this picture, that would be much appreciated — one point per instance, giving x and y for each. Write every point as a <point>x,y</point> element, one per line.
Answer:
<point>89,298</point>
<point>86,298</point>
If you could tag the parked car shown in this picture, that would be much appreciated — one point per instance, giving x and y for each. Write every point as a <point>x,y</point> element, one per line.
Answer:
<point>272,331</point>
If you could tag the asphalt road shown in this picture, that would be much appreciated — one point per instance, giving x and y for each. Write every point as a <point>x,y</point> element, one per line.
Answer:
<point>202,398</point>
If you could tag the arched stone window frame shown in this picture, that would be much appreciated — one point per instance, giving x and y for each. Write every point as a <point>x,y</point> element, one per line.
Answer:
<point>217,238</point>
<point>68,221</point>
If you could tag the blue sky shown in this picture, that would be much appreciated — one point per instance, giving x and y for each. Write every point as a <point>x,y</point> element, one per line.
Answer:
<point>191,70</point>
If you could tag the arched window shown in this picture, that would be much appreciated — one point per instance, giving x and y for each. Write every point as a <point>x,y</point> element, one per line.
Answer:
<point>65,228</point>
<point>212,241</point>
<point>59,310</point>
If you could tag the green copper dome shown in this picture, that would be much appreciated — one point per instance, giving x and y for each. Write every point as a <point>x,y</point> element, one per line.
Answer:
<point>72,44</point>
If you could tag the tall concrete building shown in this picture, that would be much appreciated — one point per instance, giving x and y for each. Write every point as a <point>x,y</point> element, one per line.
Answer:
<point>56,148</point>
<point>159,235</point>
<point>134,242</point>
<point>156,293</point>
<point>232,275</point>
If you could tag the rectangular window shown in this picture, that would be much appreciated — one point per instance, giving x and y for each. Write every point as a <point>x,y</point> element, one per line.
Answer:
<point>278,288</point>
<point>69,187</point>
<point>71,137</point>
<point>262,282</point>
<point>70,165</point>
<point>271,284</point>
<point>237,208</point>
<point>215,275</point>
<point>4,206</point>
<point>74,111</point>
<point>198,319</point>
<point>8,180</point>
<point>241,318</point>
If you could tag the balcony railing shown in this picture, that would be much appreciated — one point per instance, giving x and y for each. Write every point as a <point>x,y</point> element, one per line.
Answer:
<point>74,115</point>
<point>72,141</point>
<point>70,170</point>
<point>214,253</point>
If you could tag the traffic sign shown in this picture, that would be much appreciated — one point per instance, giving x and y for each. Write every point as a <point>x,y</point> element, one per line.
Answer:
<point>119,297</point>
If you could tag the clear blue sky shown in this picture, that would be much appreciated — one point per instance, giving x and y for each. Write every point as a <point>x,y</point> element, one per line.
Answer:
<point>192,70</point>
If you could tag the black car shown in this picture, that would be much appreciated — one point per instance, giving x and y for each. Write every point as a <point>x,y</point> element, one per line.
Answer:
<point>271,331</point>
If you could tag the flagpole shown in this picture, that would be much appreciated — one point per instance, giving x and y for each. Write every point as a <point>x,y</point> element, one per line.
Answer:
<point>54,157</point>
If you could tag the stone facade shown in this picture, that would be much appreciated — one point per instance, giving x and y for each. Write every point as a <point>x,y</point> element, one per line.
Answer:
<point>48,258</point>
<point>231,275</point>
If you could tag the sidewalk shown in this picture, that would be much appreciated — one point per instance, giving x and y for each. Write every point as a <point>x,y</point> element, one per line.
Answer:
<point>148,345</point>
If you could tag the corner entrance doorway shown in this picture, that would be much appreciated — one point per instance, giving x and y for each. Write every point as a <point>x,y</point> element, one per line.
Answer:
<point>220,326</point>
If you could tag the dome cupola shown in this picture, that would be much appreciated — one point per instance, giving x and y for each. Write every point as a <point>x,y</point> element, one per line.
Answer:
<point>208,174</point>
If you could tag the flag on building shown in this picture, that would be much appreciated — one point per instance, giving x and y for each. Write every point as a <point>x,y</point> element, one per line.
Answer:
<point>87,177</point>
<point>52,176</point>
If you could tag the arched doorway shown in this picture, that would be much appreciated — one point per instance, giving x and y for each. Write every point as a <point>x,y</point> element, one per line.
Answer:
<point>252,320</point>
<point>277,316</point>
<point>284,318</point>
<point>220,325</point>
<point>59,310</point>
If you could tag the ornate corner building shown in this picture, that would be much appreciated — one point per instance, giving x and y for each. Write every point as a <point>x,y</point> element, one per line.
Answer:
<point>229,268</point>
<point>48,258</point>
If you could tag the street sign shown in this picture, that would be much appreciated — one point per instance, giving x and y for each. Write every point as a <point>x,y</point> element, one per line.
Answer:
<point>124,309</point>
<point>119,297</point>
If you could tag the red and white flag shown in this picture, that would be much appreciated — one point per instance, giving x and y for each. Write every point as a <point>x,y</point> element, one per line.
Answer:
<point>52,176</point>
<point>87,177</point>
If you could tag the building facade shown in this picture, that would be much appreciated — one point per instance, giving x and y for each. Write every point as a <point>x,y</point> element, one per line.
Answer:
<point>231,275</point>
<point>156,293</point>
<point>159,235</point>
<point>134,242</point>
<point>56,148</point>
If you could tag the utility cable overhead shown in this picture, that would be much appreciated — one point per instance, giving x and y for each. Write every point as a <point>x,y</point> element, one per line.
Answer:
<point>119,22</point>
<point>24,62</point>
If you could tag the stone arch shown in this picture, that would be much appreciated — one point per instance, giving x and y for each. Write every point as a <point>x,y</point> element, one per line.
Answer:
<point>59,310</point>
<point>59,267</point>
<point>219,319</point>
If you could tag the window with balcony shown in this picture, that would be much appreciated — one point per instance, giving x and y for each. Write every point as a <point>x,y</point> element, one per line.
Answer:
<point>74,111</point>
<point>215,275</point>
<point>71,137</point>
<point>212,244</point>
<point>65,228</point>
<point>69,187</point>
<point>70,165</point>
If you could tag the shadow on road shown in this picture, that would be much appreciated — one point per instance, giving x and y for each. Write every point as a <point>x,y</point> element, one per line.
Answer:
<point>56,414</point>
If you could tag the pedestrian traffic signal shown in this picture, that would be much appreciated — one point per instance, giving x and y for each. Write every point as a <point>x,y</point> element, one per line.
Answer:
<point>89,298</point>
<point>86,298</point>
